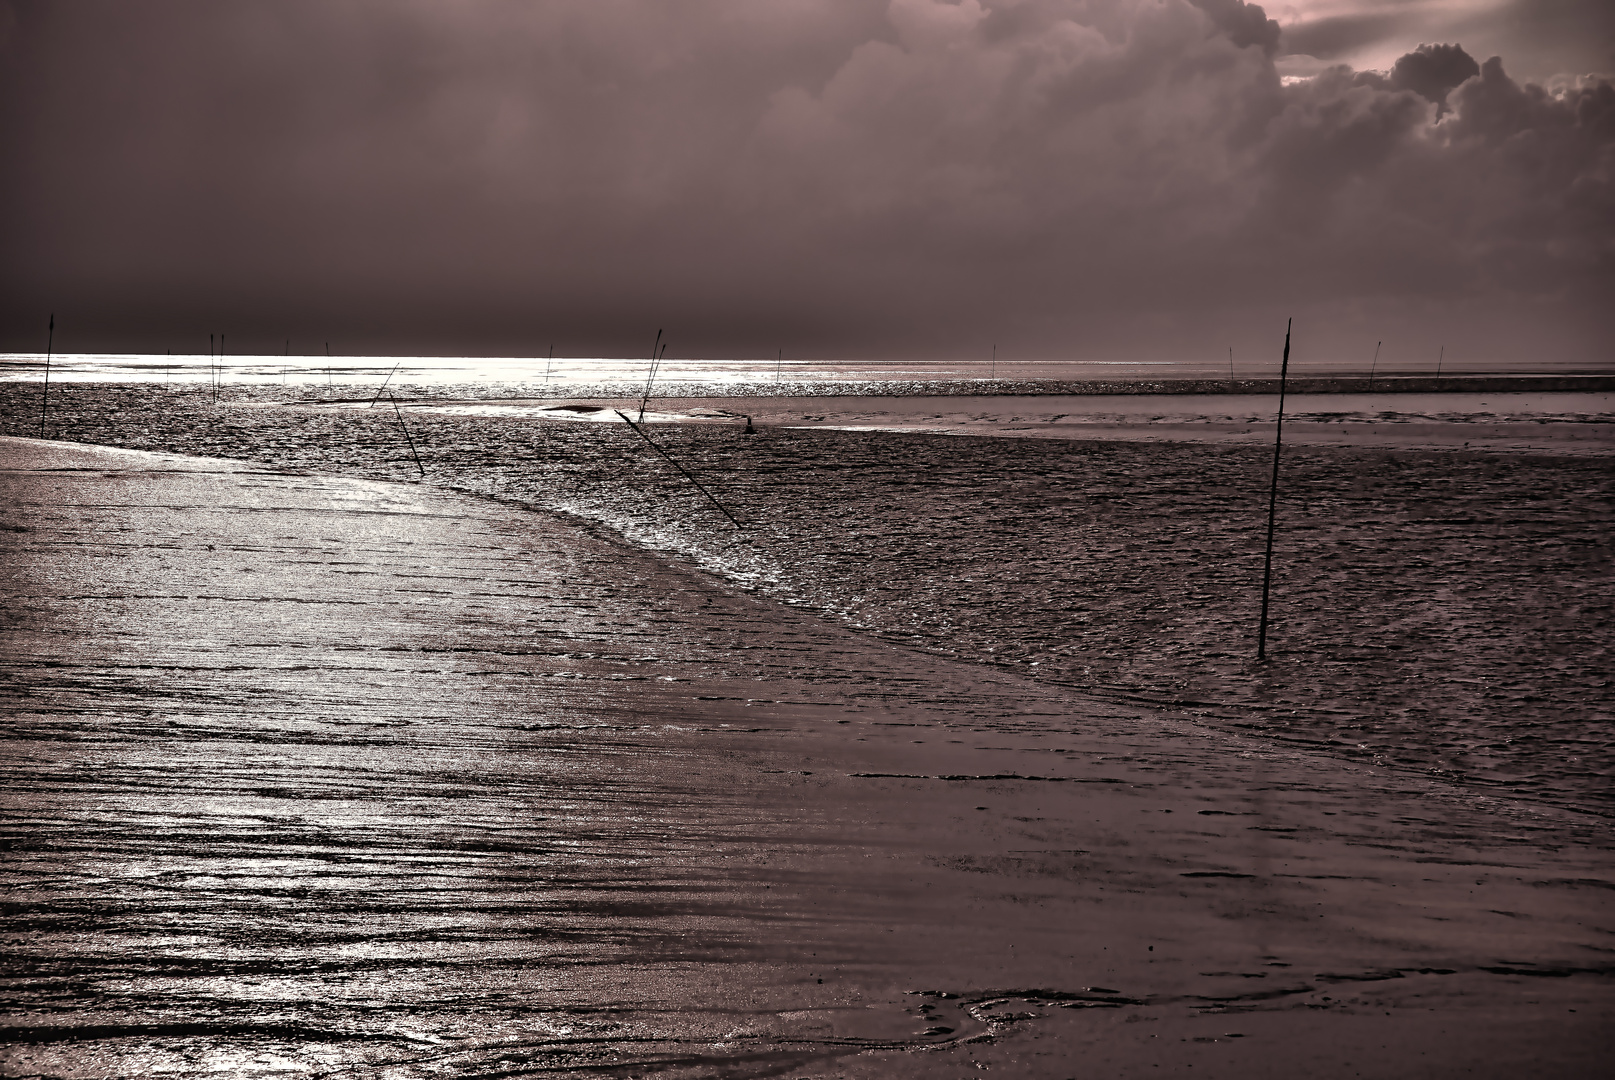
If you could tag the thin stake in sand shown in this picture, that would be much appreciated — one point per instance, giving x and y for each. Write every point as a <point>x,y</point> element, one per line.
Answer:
<point>1442,356</point>
<point>681,469</point>
<point>1273,500</point>
<point>649,378</point>
<point>401,424</point>
<point>656,362</point>
<point>1375,366</point>
<point>44,402</point>
<point>384,383</point>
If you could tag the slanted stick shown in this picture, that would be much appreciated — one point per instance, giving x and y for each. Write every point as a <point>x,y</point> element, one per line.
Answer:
<point>681,469</point>
<point>656,362</point>
<point>1273,501</point>
<point>407,439</point>
<point>384,383</point>
<point>44,402</point>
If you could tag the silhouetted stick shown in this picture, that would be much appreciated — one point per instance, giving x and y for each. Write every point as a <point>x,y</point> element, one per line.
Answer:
<point>407,439</point>
<point>44,402</point>
<point>681,469</point>
<point>1230,363</point>
<point>779,358</point>
<point>654,345</point>
<point>1375,365</point>
<point>656,362</point>
<point>1273,500</point>
<point>1440,358</point>
<point>993,374</point>
<point>384,383</point>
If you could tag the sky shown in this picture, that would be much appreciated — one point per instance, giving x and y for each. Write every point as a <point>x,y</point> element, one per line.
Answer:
<point>1083,179</point>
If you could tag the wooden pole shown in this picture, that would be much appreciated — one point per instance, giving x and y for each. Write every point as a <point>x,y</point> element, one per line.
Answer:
<point>384,383</point>
<point>407,439</point>
<point>654,345</point>
<point>656,362</point>
<point>44,402</point>
<point>1441,357</point>
<point>682,469</point>
<point>1273,501</point>
<point>1375,365</point>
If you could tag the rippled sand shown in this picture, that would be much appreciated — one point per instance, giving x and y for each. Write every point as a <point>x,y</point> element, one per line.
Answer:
<point>306,774</point>
<point>1442,611</point>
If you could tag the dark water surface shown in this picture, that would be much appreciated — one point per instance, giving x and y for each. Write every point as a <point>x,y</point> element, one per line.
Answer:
<point>1443,612</point>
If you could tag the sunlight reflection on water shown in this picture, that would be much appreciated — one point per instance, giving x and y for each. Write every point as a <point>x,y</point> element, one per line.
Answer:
<point>539,371</point>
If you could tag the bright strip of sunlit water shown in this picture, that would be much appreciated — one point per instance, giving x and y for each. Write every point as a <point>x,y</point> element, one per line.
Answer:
<point>538,371</point>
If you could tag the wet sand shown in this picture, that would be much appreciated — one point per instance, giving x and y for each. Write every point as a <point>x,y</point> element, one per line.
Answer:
<point>1440,610</point>
<point>357,777</point>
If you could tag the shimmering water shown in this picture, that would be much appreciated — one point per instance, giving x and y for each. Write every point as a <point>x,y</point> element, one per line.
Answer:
<point>539,373</point>
<point>1445,612</point>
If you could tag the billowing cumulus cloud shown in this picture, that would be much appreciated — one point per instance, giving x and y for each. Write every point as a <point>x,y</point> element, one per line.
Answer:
<point>921,177</point>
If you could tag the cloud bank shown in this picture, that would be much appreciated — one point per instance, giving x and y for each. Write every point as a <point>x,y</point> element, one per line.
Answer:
<point>1084,178</point>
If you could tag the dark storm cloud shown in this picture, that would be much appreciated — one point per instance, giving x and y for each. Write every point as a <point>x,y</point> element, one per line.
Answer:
<point>1539,38</point>
<point>1065,177</point>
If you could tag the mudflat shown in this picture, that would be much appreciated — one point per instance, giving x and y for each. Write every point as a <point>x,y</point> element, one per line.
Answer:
<point>361,777</point>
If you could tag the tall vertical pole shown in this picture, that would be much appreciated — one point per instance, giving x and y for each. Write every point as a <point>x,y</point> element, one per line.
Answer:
<point>1273,500</point>
<point>44,403</point>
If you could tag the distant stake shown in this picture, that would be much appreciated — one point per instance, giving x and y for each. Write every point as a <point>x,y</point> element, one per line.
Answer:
<point>1375,366</point>
<point>1439,358</point>
<point>407,439</point>
<point>384,383</point>
<point>1273,500</point>
<point>648,378</point>
<point>779,359</point>
<point>656,362</point>
<point>1230,363</point>
<point>681,469</point>
<point>44,402</point>
<point>993,374</point>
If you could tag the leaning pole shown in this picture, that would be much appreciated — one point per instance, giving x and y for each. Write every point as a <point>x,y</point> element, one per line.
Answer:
<point>1273,500</point>
<point>44,402</point>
